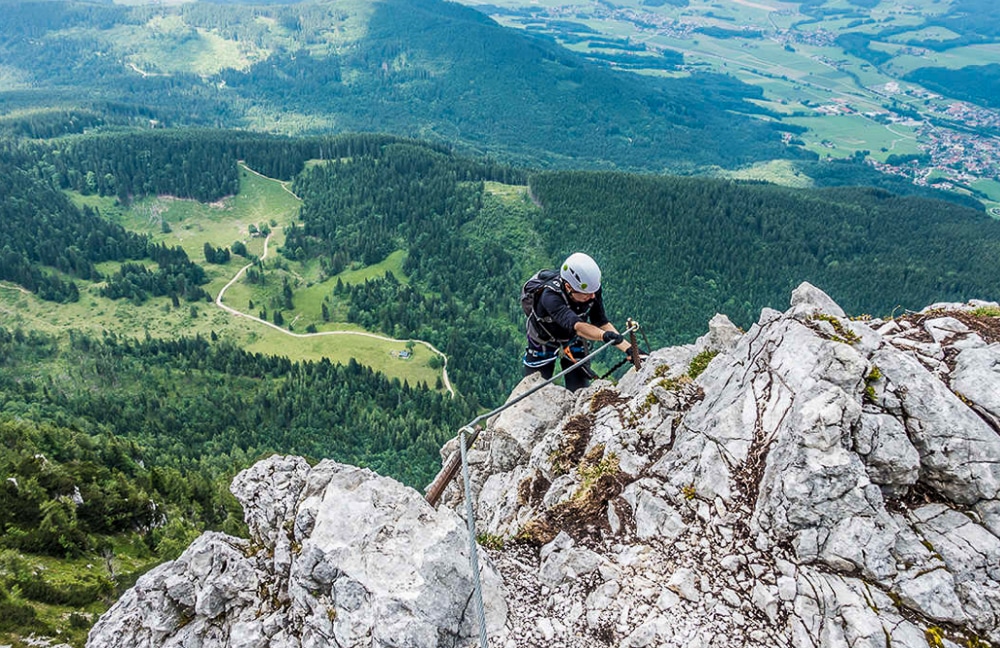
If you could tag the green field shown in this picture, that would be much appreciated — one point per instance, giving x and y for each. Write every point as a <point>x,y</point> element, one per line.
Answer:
<point>392,263</point>
<point>261,201</point>
<point>935,33</point>
<point>176,46</point>
<point>899,9</point>
<point>841,135</point>
<point>810,71</point>
<point>782,172</point>
<point>992,189</point>
<point>954,58</point>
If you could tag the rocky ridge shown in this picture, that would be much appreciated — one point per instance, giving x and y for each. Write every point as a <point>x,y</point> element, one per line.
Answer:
<point>338,556</point>
<point>813,481</point>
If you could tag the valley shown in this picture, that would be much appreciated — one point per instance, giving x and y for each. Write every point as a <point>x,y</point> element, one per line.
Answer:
<point>849,97</point>
<point>235,231</point>
<point>192,225</point>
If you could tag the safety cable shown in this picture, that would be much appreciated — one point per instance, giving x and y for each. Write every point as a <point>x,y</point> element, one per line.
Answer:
<point>472,429</point>
<point>436,487</point>
<point>473,548</point>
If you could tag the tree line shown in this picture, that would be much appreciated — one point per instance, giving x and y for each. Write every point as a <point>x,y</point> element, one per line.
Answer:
<point>198,164</point>
<point>194,404</point>
<point>679,250</point>
<point>111,441</point>
<point>423,201</point>
<point>44,231</point>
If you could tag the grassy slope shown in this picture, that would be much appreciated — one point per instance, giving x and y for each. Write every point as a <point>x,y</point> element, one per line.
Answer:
<point>129,559</point>
<point>261,200</point>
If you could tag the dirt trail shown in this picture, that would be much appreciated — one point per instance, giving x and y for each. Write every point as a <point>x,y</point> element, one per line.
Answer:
<point>233,311</point>
<point>20,289</point>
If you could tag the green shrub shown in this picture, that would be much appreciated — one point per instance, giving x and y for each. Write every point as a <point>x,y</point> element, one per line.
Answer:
<point>14,615</point>
<point>77,594</point>
<point>700,363</point>
<point>79,621</point>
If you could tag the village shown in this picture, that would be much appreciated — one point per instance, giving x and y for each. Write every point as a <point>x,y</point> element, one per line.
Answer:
<point>956,140</point>
<point>953,156</point>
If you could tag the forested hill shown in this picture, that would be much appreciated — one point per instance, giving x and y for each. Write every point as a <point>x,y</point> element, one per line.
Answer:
<point>423,68</point>
<point>677,250</point>
<point>117,453</point>
<point>134,416</point>
<point>720,246</point>
<point>46,242</point>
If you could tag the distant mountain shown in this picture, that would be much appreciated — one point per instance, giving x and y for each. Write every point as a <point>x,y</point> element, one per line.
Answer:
<point>425,68</point>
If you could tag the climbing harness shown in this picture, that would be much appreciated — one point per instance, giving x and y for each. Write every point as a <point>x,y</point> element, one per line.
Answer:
<point>545,355</point>
<point>567,352</point>
<point>531,291</point>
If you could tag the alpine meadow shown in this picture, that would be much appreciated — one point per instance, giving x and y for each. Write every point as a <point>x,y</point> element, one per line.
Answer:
<point>236,230</point>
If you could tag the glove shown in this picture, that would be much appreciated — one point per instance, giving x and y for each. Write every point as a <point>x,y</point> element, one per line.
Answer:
<point>613,337</point>
<point>642,356</point>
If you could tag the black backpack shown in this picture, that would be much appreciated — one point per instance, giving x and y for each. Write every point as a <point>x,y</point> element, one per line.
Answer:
<point>530,292</point>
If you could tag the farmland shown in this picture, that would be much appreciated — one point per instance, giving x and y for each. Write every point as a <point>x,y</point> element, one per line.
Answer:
<point>848,94</point>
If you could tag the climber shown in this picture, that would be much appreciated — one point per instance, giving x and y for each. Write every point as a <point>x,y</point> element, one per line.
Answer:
<point>564,310</point>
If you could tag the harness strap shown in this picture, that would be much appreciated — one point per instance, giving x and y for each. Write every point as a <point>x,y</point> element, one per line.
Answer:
<point>555,285</point>
<point>585,367</point>
<point>540,358</point>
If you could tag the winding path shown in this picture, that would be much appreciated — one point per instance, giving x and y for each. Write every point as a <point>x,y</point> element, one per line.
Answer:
<point>233,311</point>
<point>20,289</point>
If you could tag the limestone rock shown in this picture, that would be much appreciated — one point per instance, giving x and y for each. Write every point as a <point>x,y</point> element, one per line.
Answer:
<point>369,563</point>
<point>807,435</point>
<point>825,482</point>
<point>808,299</point>
<point>976,375</point>
<point>722,334</point>
<point>959,452</point>
<point>518,429</point>
<point>889,457</point>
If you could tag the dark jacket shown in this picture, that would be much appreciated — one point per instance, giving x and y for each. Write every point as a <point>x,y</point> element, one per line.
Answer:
<point>558,314</point>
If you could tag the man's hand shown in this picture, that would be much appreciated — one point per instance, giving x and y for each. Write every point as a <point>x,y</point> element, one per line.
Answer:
<point>630,354</point>
<point>614,337</point>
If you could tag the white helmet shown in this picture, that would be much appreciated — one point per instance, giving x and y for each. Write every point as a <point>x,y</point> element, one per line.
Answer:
<point>581,273</point>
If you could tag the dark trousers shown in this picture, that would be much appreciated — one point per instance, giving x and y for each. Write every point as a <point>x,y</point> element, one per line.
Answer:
<point>576,379</point>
